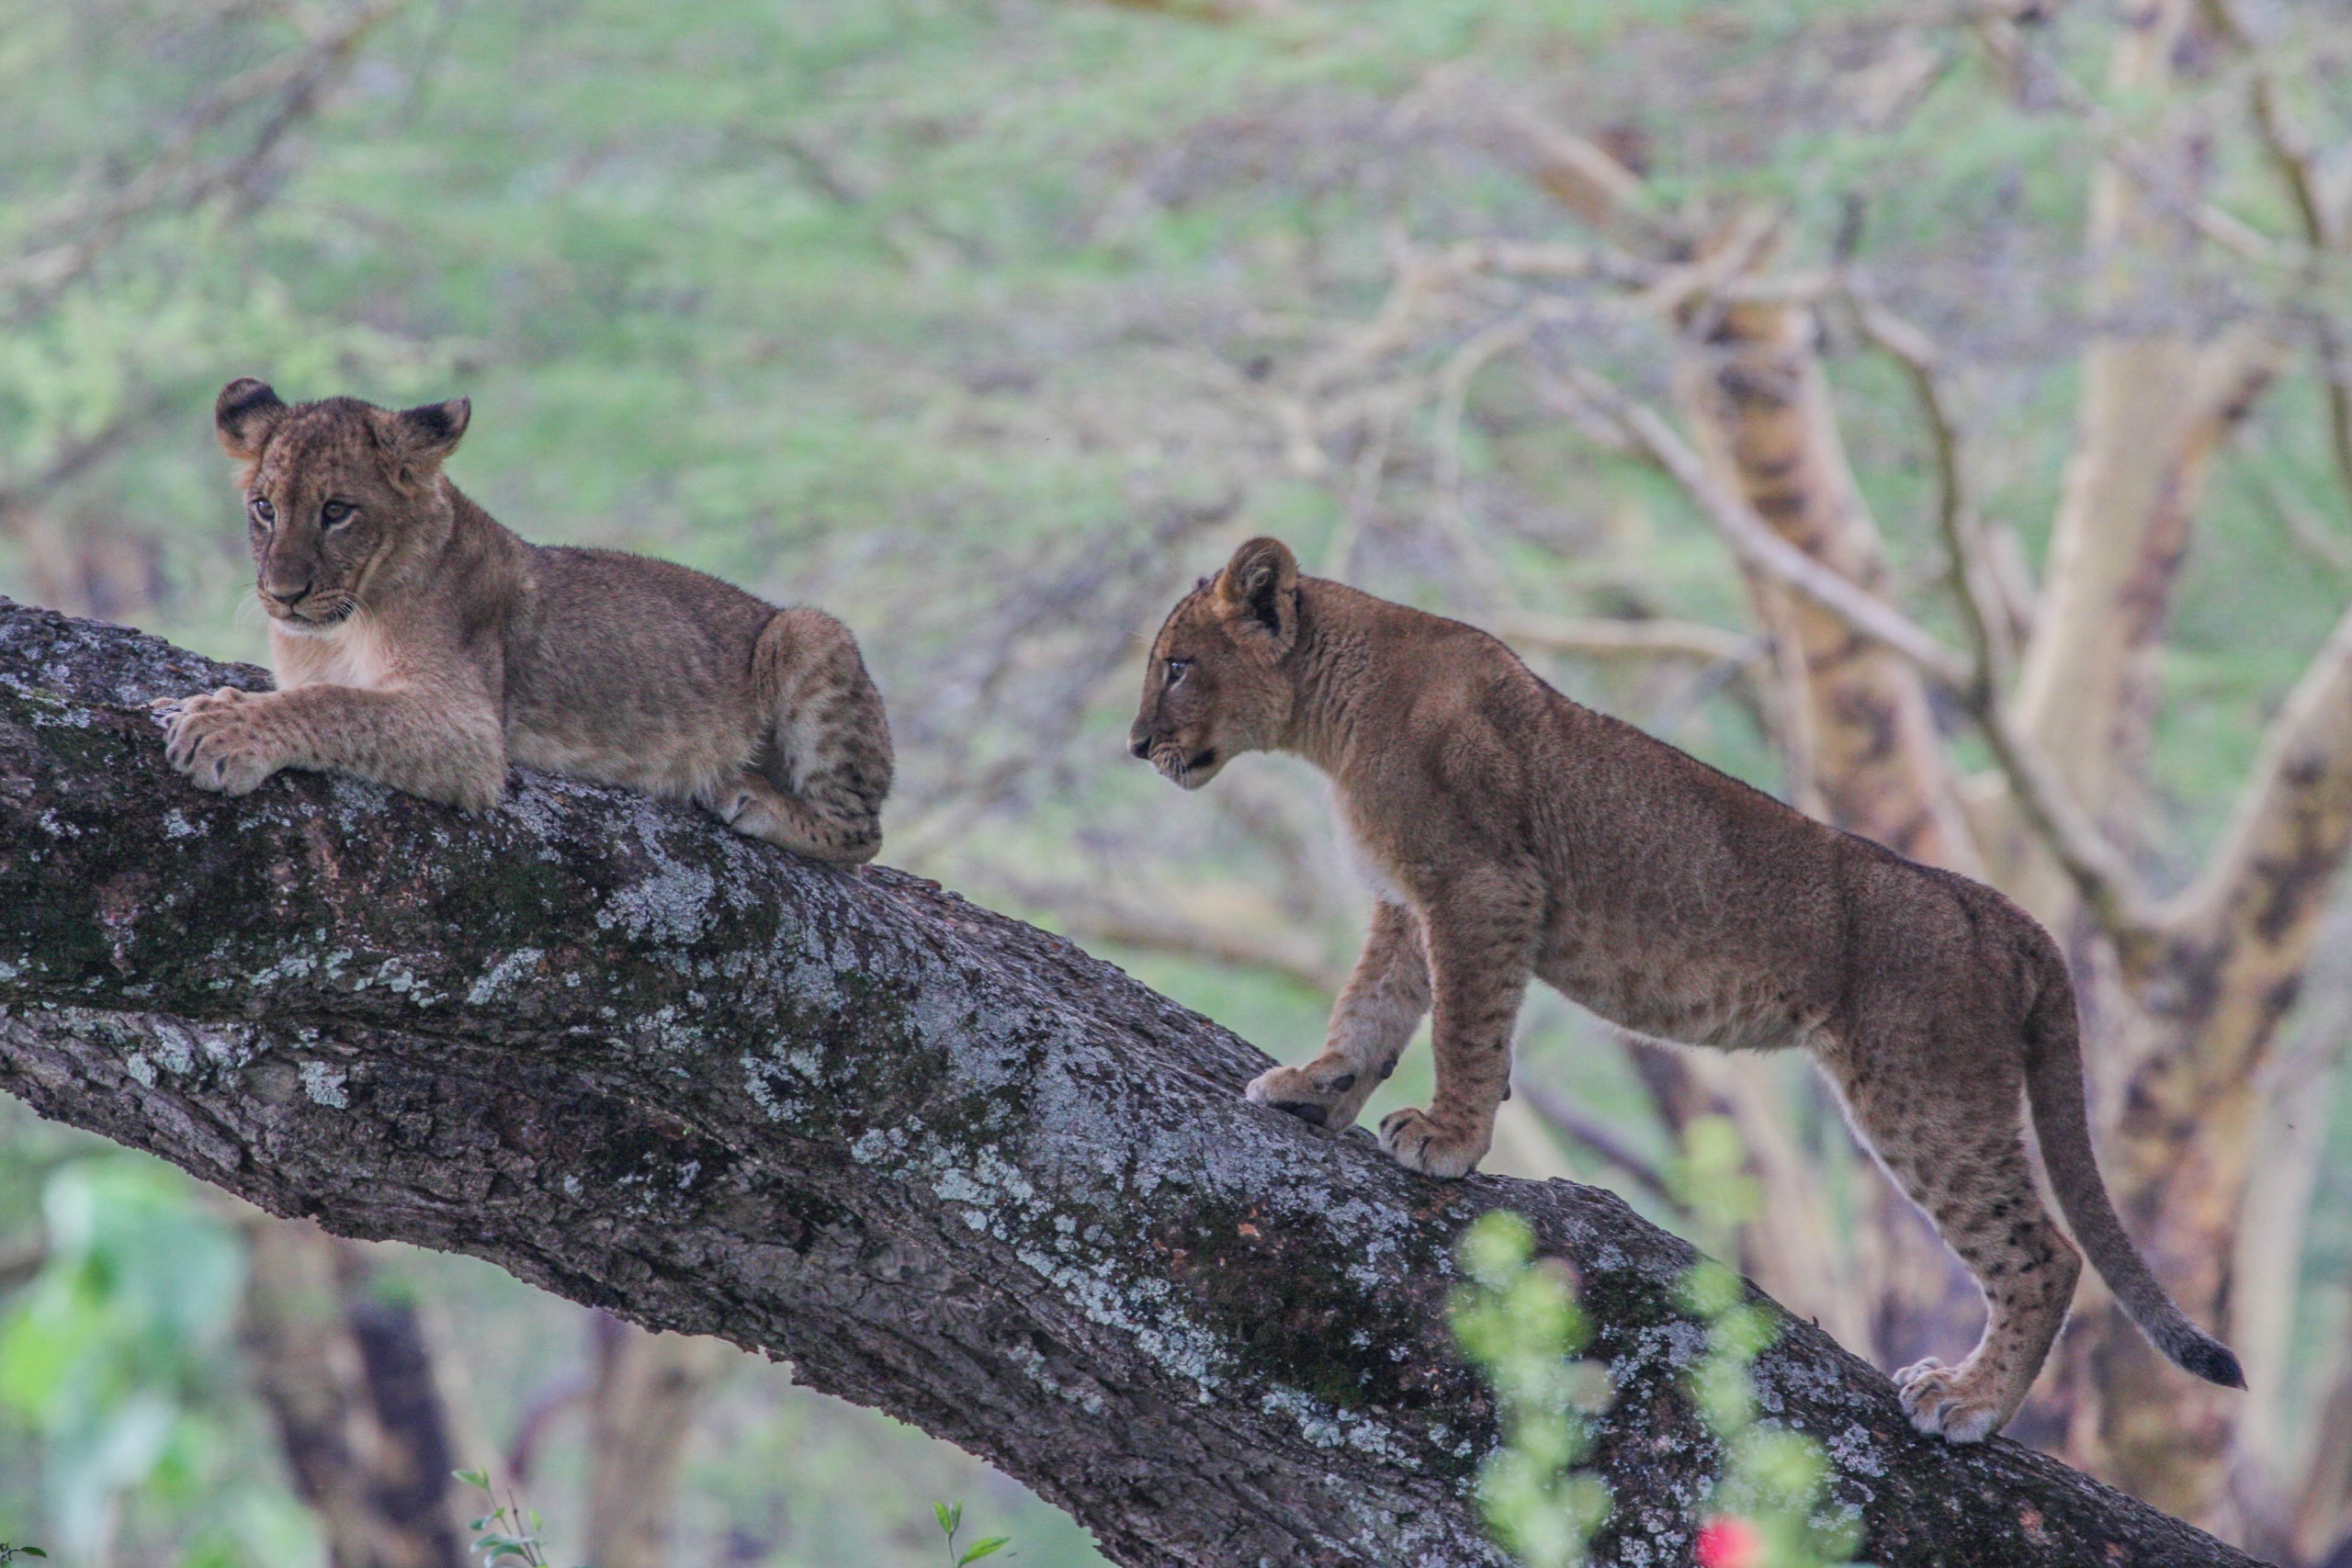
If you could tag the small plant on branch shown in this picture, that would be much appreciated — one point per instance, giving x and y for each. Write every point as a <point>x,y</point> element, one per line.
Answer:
<point>1519,1321</point>
<point>951,1520</point>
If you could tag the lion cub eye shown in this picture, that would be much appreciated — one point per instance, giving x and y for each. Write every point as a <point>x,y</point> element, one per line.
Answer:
<point>335,512</point>
<point>263,510</point>
<point>1176,668</point>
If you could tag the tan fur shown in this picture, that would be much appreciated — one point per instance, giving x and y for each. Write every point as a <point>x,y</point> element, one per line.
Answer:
<point>418,643</point>
<point>1515,835</point>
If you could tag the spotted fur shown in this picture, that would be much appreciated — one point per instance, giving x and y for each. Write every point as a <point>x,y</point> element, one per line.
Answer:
<point>1513,835</point>
<point>418,643</point>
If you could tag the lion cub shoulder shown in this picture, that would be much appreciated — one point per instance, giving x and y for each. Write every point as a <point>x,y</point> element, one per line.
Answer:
<point>418,643</point>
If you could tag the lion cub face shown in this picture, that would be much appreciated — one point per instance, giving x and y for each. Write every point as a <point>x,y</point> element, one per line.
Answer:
<point>339,494</point>
<point>1214,687</point>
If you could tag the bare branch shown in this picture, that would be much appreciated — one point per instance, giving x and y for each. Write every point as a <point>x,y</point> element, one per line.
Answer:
<point>2292,826</point>
<point>173,175</point>
<point>2296,165</point>
<point>2105,879</point>
<point>1754,543</point>
<point>2010,45</point>
<point>1607,638</point>
<point>1983,610</point>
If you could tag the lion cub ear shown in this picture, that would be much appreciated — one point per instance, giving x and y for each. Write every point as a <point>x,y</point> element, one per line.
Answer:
<point>1261,582</point>
<point>422,436</point>
<point>245,414</point>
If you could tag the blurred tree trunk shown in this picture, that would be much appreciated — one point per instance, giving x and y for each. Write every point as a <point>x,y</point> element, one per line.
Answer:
<point>2177,1039</point>
<point>641,1409</point>
<point>347,1376</point>
<point>2182,1031</point>
<point>1753,390</point>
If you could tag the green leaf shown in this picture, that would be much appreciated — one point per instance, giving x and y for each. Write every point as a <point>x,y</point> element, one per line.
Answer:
<point>948,1518</point>
<point>475,1478</point>
<point>985,1548</point>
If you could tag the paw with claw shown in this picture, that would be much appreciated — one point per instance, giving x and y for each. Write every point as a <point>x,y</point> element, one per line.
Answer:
<point>225,740</point>
<point>1420,1142</point>
<point>1958,1404</point>
<point>1327,1092</point>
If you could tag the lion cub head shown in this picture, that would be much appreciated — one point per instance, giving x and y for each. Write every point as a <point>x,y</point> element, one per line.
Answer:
<point>1215,686</point>
<point>341,497</point>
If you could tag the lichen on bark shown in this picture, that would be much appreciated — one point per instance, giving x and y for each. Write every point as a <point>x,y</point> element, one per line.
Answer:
<point>951,1165</point>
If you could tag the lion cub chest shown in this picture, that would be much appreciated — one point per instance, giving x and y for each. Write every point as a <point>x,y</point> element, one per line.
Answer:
<point>353,652</point>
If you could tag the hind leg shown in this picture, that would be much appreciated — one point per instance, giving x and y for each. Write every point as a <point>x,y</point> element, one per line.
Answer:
<point>817,787</point>
<point>1374,1017</point>
<point>1964,1164</point>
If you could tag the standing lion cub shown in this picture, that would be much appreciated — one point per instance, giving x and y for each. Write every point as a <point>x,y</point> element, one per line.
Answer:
<point>1516,835</point>
<point>419,644</point>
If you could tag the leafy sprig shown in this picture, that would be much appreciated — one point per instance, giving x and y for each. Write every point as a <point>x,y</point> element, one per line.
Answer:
<point>951,1520</point>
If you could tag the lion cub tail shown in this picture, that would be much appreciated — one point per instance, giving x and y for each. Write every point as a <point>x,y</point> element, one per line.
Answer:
<point>2054,1087</point>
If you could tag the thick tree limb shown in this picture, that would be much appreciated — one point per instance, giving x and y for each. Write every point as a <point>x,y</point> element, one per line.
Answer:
<point>951,1165</point>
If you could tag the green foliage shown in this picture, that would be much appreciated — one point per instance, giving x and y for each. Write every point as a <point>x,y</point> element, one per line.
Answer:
<point>951,1520</point>
<point>1767,1509</point>
<point>509,1535</point>
<point>1519,1322</point>
<point>112,1352</point>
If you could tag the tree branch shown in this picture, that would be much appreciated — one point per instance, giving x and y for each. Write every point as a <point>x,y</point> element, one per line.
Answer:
<point>295,81</point>
<point>2109,887</point>
<point>1979,591</point>
<point>2258,901</point>
<point>949,1164</point>
<point>1617,637</point>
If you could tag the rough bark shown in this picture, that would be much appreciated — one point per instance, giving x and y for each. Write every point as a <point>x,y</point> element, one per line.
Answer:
<point>949,1165</point>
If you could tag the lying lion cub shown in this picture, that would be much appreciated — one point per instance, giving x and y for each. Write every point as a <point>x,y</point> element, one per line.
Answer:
<point>1515,834</point>
<point>419,644</point>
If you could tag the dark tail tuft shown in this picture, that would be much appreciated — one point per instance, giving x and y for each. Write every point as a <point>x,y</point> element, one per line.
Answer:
<point>2207,1359</point>
<point>2053,1079</point>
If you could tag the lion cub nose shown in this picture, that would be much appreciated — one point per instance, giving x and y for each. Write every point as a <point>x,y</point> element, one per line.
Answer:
<point>288,596</point>
<point>1139,744</point>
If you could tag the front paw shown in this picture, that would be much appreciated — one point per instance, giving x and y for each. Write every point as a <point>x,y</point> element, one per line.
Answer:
<point>1318,1094</point>
<point>1946,1402</point>
<point>1420,1142</point>
<point>221,741</point>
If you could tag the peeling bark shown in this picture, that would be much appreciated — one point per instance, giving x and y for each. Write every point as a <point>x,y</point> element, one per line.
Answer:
<point>949,1165</point>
